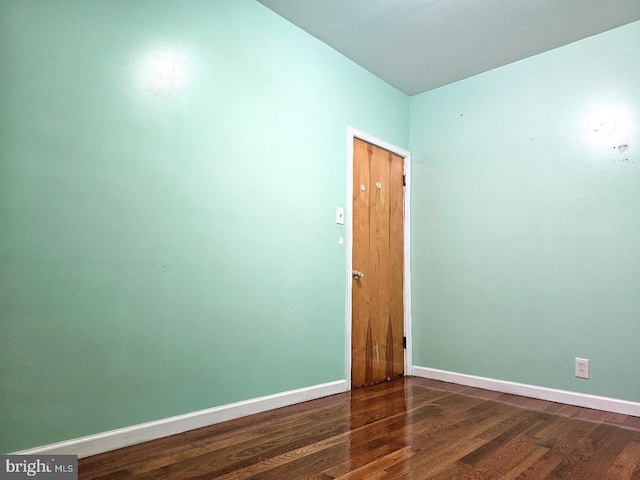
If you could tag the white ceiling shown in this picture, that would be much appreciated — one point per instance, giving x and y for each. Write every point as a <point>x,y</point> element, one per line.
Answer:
<point>418,45</point>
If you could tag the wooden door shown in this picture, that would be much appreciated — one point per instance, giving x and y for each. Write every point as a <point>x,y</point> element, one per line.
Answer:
<point>377,346</point>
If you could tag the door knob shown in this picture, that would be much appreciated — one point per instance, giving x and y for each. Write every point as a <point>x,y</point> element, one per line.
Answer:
<point>357,274</point>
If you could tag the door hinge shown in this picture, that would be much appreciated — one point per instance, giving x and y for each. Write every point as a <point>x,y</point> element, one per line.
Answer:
<point>404,342</point>
<point>404,180</point>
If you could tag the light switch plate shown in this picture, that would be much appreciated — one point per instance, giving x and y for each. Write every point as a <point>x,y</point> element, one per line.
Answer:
<point>340,216</point>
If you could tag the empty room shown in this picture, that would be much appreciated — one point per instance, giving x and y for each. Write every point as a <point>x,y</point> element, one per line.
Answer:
<point>320,239</point>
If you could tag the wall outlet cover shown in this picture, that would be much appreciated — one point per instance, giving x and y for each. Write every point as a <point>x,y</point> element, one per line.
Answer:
<point>581,367</point>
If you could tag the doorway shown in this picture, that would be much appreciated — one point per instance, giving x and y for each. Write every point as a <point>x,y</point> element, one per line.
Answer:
<point>378,262</point>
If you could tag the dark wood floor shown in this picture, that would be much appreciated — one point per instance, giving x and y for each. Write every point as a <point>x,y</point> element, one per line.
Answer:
<point>406,428</point>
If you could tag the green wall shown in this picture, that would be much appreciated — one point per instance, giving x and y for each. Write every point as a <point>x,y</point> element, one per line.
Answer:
<point>169,173</point>
<point>526,219</point>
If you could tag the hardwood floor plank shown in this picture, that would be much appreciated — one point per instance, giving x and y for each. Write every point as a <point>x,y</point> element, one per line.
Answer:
<point>505,458</point>
<point>575,461</point>
<point>525,463</point>
<point>522,425</point>
<point>283,459</point>
<point>625,463</point>
<point>554,433</point>
<point>377,465</point>
<point>632,422</point>
<point>434,454</point>
<point>409,428</point>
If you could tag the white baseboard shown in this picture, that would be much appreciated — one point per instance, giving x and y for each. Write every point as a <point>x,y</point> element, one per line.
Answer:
<point>560,396</point>
<point>123,437</point>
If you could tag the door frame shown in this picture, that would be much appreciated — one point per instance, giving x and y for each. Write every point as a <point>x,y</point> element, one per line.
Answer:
<point>353,133</point>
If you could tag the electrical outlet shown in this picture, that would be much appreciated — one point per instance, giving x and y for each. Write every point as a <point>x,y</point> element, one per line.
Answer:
<point>582,368</point>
